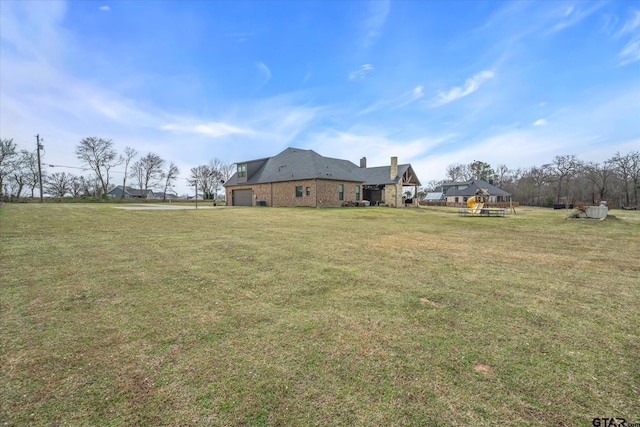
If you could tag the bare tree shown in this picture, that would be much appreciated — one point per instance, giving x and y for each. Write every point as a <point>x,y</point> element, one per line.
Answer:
<point>77,187</point>
<point>200,178</point>
<point>88,186</point>
<point>503,176</point>
<point>216,176</point>
<point>8,154</point>
<point>59,184</point>
<point>458,172</point>
<point>25,173</point>
<point>635,173</point>
<point>226,171</point>
<point>563,169</point>
<point>624,171</point>
<point>599,175</point>
<point>531,184</point>
<point>99,155</point>
<point>29,165</point>
<point>432,185</point>
<point>169,177</point>
<point>148,170</point>
<point>129,154</point>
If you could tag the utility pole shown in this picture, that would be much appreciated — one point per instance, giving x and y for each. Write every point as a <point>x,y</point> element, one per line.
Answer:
<point>40,147</point>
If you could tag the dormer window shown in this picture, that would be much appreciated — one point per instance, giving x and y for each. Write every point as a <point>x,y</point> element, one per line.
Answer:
<point>242,171</point>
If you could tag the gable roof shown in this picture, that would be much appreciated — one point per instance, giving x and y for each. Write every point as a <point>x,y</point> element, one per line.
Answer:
<point>297,164</point>
<point>472,187</point>
<point>132,191</point>
<point>382,174</point>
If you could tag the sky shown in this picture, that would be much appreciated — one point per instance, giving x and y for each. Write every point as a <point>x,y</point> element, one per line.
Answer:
<point>431,82</point>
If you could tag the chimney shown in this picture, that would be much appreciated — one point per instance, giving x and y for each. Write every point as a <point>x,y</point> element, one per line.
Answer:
<point>394,167</point>
<point>363,162</point>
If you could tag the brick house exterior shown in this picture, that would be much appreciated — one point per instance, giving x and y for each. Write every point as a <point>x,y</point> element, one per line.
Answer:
<point>298,177</point>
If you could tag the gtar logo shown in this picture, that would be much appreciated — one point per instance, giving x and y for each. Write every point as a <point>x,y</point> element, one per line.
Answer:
<point>609,422</point>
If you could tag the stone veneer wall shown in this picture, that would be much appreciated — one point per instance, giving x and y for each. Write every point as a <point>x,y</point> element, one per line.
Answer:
<point>393,195</point>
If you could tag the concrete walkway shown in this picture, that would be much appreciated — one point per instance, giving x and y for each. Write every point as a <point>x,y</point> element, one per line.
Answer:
<point>166,206</point>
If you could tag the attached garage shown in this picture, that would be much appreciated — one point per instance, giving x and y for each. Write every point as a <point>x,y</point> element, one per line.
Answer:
<point>242,197</point>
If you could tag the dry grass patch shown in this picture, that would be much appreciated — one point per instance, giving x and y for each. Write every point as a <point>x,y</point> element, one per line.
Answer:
<point>316,317</point>
<point>483,368</point>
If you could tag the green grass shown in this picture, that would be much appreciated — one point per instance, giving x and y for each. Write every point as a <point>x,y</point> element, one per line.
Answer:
<point>277,316</point>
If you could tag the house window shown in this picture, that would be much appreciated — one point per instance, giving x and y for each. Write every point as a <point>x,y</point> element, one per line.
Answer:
<point>357,193</point>
<point>299,191</point>
<point>242,170</point>
<point>340,191</point>
<point>456,200</point>
<point>308,191</point>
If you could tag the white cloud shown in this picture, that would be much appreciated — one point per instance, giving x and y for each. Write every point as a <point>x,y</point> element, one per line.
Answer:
<point>398,102</point>
<point>213,129</point>
<point>264,71</point>
<point>375,20</point>
<point>540,122</point>
<point>632,23</point>
<point>631,52</point>
<point>470,85</point>
<point>372,143</point>
<point>571,16</point>
<point>361,72</point>
<point>105,8</point>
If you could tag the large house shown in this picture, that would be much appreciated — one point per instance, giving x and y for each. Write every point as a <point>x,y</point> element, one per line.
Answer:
<point>297,177</point>
<point>459,192</point>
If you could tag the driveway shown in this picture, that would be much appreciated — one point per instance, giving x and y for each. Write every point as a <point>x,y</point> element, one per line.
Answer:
<point>165,206</point>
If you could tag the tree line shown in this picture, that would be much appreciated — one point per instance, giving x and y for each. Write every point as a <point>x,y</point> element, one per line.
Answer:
<point>20,176</point>
<point>566,179</point>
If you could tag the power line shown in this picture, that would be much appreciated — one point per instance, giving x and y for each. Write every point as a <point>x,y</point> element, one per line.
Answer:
<point>89,169</point>
<point>69,167</point>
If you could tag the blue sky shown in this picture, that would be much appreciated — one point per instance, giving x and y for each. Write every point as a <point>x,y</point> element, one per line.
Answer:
<point>431,82</point>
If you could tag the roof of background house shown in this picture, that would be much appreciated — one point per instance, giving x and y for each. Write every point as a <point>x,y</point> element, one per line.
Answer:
<point>168,195</point>
<point>297,164</point>
<point>473,186</point>
<point>132,191</point>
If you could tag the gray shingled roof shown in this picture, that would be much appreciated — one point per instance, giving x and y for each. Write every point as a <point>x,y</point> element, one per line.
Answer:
<point>473,186</point>
<point>133,191</point>
<point>380,175</point>
<point>296,164</point>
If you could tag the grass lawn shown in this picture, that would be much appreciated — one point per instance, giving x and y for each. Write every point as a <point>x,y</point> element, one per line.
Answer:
<point>352,316</point>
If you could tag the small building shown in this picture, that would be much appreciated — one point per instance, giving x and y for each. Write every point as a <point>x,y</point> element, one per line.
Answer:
<point>297,177</point>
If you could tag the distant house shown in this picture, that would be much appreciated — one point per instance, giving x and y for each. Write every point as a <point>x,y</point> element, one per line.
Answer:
<point>297,177</point>
<point>131,193</point>
<point>160,195</point>
<point>460,192</point>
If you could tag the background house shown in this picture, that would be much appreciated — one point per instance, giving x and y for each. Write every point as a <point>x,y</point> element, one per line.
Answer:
<point>457,193</point>
<point>130,193</point>
<point>297,177</point>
